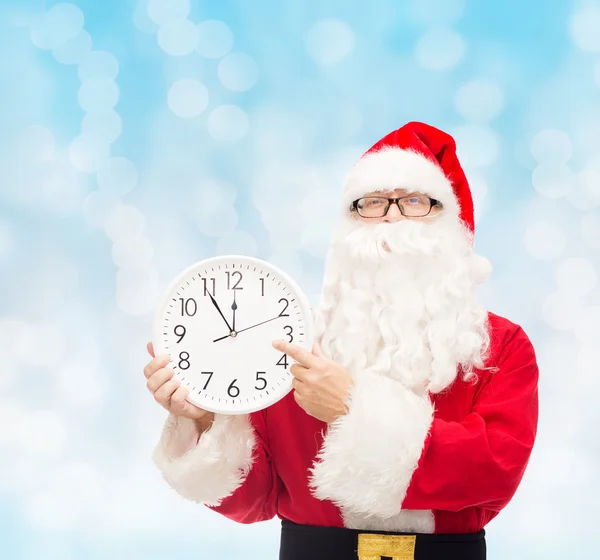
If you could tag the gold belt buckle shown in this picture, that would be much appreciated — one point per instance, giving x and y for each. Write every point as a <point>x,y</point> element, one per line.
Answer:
<point>372,546</point>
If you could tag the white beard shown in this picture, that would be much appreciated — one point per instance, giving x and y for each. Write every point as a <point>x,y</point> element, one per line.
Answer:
<point>399,299</point>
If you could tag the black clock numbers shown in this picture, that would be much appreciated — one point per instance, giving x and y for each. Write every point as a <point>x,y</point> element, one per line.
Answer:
<point>189,307</point>
<point>233,390</point>
<point>184,360</point>
<point>261,379</point>
<point>286,305</point>
<point>180,331</point>
<point>208,286</point>
<point>289,333</point>
<point>233,280</point>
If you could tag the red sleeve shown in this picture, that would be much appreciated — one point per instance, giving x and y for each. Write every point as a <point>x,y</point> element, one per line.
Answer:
<point>256,499</point>
<point>481,460</point>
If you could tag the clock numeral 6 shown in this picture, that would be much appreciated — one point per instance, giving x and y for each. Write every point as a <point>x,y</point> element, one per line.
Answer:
<point>184,362</point>
<point>180,334</point>
<point>283,313</point>
<point>285,362</point>
<point>187,308</point>
<point>259,378</point>
<point>289,333</point>
<point>233,387</point>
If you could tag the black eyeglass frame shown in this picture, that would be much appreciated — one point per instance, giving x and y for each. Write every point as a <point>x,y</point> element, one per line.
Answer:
<point>432,202</point>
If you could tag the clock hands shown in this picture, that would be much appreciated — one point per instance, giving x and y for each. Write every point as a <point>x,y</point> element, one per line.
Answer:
<point>220,312</point>
<point>247,328</point>
<point>234,307</point>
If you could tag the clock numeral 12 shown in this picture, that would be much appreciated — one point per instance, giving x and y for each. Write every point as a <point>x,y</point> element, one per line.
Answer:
<point>239,279</point>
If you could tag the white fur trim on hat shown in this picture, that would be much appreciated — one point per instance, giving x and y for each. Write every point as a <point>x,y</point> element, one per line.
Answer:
<point>369,455</point>
<point>396,168</point>
<point>212,469</point>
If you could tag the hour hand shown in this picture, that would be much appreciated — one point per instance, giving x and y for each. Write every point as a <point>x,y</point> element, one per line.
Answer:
<point>234,307</point>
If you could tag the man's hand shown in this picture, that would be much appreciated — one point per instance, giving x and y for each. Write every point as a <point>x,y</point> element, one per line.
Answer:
<point>320,384</point>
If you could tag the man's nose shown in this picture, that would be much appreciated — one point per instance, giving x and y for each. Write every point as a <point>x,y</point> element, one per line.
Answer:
<point>393,214</point>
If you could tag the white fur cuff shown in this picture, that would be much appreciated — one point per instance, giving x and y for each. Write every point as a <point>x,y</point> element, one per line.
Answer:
<point>214,468</point>
<point>369,456</point>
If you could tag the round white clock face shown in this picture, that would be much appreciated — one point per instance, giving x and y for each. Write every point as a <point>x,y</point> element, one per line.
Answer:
<point>218,320</point>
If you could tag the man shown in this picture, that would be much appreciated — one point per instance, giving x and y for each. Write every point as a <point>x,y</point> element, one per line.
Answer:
<point>412,422</point>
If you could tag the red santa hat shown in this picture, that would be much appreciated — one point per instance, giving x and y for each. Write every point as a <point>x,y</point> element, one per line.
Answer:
<point>416,157</point>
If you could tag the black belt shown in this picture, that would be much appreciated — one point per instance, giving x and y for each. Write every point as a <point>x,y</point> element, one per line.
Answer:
<point>307,542</point>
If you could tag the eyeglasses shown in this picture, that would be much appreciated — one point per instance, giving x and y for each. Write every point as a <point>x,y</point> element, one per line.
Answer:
<point>413,206</point>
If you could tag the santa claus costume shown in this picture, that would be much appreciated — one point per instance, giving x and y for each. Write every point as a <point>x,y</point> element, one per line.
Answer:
<point>443,412</point>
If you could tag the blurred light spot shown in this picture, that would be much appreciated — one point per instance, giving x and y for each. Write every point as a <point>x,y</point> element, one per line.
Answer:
<point>589,179</point>
<point>552,146</point>
<point>79,385</point>
<point>576,276</point>
<point>212,195</point>
<point>73,490</point>
<point>584,27</point>
<point>97,207</point>
<point>476,145</point>
<point>215,39</point>
<point>118,175</point>
<point>178,37</point>
<point>553,180</point>
<point>88,154</point>
<point>228,123</point>
<point>8,375</point>
<point>164,11</point>
<point>597,74</point>
<point>329,41</point>
<point>590,229</point>
<point>123,222</point>
<point>98,94</point>
<point>41,433</point>
<point>188,66</point>
<point>35,145</point>
<point>440,49</point>
<point>238,72</point>
<point>98,64</point>
<point>560,310</point>
<point>141,19</point>
<point>104,125</point>
<point>479,100</point>
<point>218,223</point>
<point>73,50</point>
<point>58,25</point>
<point>9,410</point>
<point>187,98</point>
<point>437,11</point>
<point>6,239</point>
<point>137,290</point>
<point>58,186</point>
<point>317,229</point>
<point>588,325</point>
<point>237,243</point>
<point>133,252</point>
<point>290,262</point>
<point>544,240</point>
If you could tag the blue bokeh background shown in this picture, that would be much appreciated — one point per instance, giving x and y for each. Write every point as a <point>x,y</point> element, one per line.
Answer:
<point>141,136</point>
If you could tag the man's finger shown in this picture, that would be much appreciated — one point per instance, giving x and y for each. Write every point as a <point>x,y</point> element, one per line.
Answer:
<point>299,371</point>
<point>150,348</point>
<point>296,353</point>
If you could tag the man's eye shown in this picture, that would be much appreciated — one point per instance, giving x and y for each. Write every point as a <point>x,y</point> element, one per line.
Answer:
<point>414,200</point>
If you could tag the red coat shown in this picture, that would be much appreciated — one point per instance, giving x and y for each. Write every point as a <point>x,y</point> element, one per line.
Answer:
<point>459,469</point>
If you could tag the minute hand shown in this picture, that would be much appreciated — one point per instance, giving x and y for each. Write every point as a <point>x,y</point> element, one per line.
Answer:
<point>220,312</point>
<point>248,328</point>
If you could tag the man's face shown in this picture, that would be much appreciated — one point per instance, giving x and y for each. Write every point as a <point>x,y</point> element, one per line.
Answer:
<point>410,203</point>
